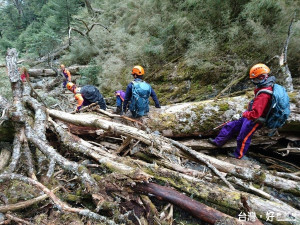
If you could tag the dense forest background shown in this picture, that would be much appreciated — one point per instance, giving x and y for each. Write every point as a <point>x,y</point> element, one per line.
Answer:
<point>190,49</point>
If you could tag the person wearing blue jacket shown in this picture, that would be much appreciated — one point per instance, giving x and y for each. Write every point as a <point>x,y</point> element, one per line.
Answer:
<point>138,93</point>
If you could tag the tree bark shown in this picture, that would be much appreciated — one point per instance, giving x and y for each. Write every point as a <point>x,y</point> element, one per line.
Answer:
<point>197,209</point>
<point>195,118</point>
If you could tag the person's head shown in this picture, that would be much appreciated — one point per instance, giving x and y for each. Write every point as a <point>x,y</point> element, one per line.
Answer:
<point>62,66</point>
<point>138,72</point>
<point>259,73</point>
<point>71,86</point>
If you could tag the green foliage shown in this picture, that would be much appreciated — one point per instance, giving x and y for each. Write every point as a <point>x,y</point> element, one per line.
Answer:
<point>89,75</point>
<point>44,42</point>
<point>4,45</point>
<point>5,88</point>
<point>81,52</point>
<point>174,40</point>
<point>266,12</point>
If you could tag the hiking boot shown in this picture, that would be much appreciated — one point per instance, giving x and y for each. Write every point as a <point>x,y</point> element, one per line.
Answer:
<point>230,154</point>
<point>212,141</point>
<point>118,110</point>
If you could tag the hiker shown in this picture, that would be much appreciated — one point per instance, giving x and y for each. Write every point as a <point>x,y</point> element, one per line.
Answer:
<point>258,109</point>
<point>120,95</point>
<point>138,93</point>
<point>67,75</point>
<point>86,95</point>
<point>24,74</point>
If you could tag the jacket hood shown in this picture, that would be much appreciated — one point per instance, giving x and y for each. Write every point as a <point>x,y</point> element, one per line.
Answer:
<point>270,81</point>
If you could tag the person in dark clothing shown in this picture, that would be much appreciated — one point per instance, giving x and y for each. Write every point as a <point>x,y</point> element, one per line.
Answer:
<point>86,95</point>
<point>138,93</point>
<point>249,122</point>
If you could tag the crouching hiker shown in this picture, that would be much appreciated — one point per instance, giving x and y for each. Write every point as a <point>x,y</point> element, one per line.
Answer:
<point>86,95</point>
<point>138,93</point>
<point>258,109</point>
<point>120,96</point>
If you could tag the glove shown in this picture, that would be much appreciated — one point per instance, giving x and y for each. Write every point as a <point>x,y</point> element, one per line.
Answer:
<point>236,117</point>
<point>78,108</point>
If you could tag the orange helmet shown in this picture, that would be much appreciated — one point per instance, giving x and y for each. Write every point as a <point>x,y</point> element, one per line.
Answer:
<point>70,85</point>
<point>138,70</point>
<point>258,69</point>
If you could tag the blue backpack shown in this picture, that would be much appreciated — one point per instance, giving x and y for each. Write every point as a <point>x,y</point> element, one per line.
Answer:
<point>279,109</point>
<point>139,105</point>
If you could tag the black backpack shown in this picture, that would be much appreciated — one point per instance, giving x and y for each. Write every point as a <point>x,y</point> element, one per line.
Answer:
<point>91,94</point>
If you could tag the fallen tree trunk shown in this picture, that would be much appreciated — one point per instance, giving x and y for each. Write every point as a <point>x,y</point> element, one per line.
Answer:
<point>74,70</point>
<point>194,118</point>
<point>197,209</point>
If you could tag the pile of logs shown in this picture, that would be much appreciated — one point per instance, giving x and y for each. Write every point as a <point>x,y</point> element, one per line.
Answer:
<point>121,165</point>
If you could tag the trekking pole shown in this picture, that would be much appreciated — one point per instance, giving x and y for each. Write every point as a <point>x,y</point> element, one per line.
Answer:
<point>215,128</point>
<point>234,117</point>
<point>221,125</point>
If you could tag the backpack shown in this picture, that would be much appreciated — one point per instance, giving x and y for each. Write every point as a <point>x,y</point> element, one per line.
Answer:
<point>280,107</point>
<point>139,105</point>
<point>91,94</point>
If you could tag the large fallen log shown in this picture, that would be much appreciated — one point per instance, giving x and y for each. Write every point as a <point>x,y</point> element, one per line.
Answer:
<point>194,118</point>
<point>197,209</point>
<point>74,70</point>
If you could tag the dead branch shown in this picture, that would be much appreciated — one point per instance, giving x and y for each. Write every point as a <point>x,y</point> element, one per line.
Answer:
<point>16,219</point>
<point>283,59</point>
<point>60,204</point>
<point>206,162</point>
<point>99,155</point>
<point>25,204</point>
<point>5,155</point>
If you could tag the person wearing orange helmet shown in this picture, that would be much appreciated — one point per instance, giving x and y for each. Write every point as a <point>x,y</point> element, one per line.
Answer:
<point>86,95</point>
<point>138,93</point>
<point>66,74</point>
<point>257,110</point>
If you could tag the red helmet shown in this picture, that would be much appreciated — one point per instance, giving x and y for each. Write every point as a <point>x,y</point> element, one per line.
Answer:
<point>138,70</point>
<point>258,69</point>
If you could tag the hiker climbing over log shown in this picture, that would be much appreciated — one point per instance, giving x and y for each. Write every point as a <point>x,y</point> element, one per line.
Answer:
<point>86,95</point>
<point>262,110</point>
<point>138,93</point>
<point>66,74</point>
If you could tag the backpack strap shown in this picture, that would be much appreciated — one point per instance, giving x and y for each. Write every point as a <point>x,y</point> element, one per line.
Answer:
<point>264,91</point>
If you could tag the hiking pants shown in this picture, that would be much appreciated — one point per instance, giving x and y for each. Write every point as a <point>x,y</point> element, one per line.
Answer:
<point>244,128</point>
<point>64,83</point>
<point>119,101</point>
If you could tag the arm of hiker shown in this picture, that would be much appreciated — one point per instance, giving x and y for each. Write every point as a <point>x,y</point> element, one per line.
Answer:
<point>79,99</point>
<point>69,75</point>
<point>155,99</point>
<point>259,107</point>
